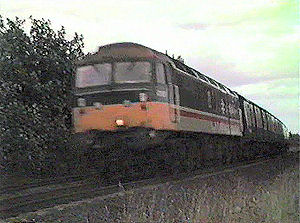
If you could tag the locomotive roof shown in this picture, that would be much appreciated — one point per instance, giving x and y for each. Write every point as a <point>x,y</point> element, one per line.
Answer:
<point>125,50</point>
<point>128,49</point>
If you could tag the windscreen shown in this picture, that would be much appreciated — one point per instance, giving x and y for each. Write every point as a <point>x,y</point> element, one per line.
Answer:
<point>132,72</point>
<point>93,75</point>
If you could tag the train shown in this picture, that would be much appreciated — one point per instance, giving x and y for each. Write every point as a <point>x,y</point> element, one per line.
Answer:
<point>129,95</point>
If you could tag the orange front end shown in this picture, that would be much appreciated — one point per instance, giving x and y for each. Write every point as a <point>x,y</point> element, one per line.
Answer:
<point>152,115</point>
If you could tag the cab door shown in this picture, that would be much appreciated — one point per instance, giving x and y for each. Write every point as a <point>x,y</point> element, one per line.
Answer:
<point>164,82</point>
<point>174,102</point>
<point>173,97</point>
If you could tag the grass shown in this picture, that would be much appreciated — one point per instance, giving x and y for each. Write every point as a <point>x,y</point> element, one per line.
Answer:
<point>233,197</point>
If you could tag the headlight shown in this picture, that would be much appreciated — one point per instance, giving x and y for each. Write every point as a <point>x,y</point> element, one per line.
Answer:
<point>120,122</point>
<point>143,97</point>
<point>81,102</point>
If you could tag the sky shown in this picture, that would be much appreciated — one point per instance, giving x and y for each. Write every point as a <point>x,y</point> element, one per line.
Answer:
<point>251,46</point>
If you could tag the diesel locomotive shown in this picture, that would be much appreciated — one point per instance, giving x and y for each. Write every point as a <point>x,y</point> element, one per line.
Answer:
<point>128,94</point>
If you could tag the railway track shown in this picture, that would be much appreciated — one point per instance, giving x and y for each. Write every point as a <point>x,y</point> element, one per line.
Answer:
<point>43,182</point>
<point>11,207</point>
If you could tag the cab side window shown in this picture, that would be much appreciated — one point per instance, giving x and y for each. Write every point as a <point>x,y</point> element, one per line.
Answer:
<point>160,73</point>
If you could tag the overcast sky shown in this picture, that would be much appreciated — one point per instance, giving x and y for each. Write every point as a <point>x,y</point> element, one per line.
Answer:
<point>249,45</point>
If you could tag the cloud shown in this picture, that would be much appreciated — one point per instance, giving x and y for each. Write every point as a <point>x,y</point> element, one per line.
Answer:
<point>195,26</point>
<point>287,87</point>
<point>233,75</point>
<point>204,26</point>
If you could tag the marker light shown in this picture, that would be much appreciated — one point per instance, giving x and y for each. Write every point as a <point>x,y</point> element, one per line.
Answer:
<point>143,97</point>
<point>126,103</point>
<point>81,102</point>
<point>98,105</point>
<point>120,122</point>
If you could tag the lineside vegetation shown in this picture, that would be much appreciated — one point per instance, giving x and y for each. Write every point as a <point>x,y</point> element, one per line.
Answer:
<point>35,85</point>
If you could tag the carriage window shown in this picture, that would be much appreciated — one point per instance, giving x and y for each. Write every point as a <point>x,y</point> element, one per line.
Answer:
<point>160,73</point>
<point>213,82</point>
<point>195,73</point>
<point>222,87</point>
<point>264,120</point>
<point>258,117</point>
<point>179,65</point>
<point>191,72</point>
<point>93,75</point>
<point>132,72</point>
<point>247,115</point>
<point>201,76</point>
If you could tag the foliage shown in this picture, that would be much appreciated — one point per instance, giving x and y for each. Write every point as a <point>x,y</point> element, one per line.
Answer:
<point>35,83</point>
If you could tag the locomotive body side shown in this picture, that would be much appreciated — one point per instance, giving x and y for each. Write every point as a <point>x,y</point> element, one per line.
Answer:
<point>176,100</point>
<point>204,106</point>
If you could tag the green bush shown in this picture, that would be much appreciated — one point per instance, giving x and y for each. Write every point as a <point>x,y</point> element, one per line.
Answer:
<point>36,69</point>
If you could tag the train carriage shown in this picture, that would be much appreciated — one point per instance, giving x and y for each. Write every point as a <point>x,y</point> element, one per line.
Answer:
<point>259,124</point>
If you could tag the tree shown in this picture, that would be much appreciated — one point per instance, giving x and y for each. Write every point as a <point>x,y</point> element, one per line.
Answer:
<point>36,70</point>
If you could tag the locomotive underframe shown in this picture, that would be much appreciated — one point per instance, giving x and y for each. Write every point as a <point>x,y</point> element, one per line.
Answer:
<point>146,151</point>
